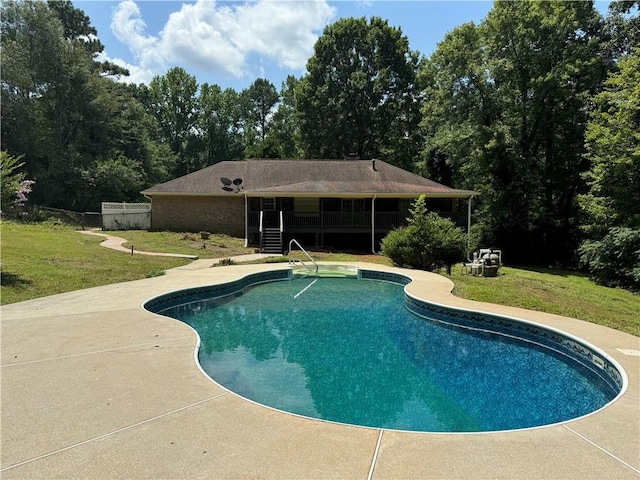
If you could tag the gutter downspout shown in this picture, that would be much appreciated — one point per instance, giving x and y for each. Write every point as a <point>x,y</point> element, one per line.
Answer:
<point>469,225</point>
<point>246,221</point>
<point>373,220</point>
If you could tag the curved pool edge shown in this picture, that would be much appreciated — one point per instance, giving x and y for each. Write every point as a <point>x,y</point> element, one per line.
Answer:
<point>57,420</point>
<point>406,278</point>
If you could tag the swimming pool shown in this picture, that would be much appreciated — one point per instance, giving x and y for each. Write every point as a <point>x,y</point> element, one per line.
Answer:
<point>363,352</point>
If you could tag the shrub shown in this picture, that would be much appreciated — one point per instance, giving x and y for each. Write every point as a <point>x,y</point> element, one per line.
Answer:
<point>614,261</point>
<point>429,242</point>
<point>396,246</point>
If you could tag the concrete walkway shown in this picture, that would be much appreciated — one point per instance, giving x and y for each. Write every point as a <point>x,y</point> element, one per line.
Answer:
<point>93,386</point>
<point>115,243</point>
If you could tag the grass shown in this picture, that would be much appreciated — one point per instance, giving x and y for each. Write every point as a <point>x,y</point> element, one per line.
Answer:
<point>216,246</point>
<point>45,259</point>
<point>325,256</point>
<point>557,291</point>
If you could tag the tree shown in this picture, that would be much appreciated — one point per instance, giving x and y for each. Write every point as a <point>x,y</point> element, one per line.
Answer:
<point>623,27</point>
<point>175,107</point>
<point>220,123</point>
<point>69,121</point>
<point>429,242</point>
<point>360,94</point>
<point>505,109</point>
<point>32,48</point>
<point>285,131</point>
<point>612,204</point>
<point>259,100</point>
<point>613,150</point>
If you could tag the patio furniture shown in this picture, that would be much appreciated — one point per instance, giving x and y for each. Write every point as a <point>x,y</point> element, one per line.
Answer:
<point>485,263</point>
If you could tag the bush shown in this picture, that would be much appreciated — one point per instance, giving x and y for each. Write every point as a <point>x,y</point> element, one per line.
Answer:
<point>429,242</point>
<point>224,262</point>
<point>614,261</point>
<point>397,246</point>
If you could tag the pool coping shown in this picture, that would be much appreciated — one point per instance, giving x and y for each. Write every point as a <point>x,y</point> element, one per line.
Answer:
<point>94,386</point>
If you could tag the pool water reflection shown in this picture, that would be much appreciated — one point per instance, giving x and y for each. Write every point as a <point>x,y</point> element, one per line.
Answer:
<point>348,350</point>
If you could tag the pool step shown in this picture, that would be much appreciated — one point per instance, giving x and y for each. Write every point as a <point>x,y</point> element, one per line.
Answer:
<point>327,273</point>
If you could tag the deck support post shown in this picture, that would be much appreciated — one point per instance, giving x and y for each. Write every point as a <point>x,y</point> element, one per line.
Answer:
<point>373,224</point>
<point>469,225</point>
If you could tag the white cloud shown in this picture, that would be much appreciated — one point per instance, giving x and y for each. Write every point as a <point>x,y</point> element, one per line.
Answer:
<point>137,74</point>
<point>222,38</point>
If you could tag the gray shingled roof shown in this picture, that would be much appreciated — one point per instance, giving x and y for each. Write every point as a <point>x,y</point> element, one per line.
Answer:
<point>308,177</point>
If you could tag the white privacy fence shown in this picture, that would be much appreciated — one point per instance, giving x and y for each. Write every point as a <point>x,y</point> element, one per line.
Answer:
<point>126,216</point>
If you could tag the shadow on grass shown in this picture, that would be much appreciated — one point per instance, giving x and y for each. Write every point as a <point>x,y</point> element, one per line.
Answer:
<point>8,279</point>
<point>560,272</point>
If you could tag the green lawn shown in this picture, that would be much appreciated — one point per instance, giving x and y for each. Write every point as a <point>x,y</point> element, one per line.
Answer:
<point>44,259</point>
<point>217,246</point>
<point>562,292</point>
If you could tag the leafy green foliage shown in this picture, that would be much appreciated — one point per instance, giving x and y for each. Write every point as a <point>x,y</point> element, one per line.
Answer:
<point>429,242</point>
<point>612,205</point>
<point>615,260</point>
<point>613,148</point>
<point>259,100</point>
<point>221,124</point>
<point>505,108</point>
<point>225,262</point>
<point>285,132</point>
<point>360,93</point>
<point>623,27</point>
<point>71,122</point>
<point>173,102</point>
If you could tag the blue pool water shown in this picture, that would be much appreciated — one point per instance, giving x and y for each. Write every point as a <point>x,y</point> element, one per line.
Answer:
<point>349,351</point>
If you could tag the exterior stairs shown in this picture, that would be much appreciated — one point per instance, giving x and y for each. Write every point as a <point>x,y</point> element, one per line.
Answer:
<point>272,240</point>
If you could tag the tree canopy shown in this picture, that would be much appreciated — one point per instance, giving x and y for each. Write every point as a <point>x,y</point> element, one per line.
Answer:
<point>360,95</point>
<point>505,110</point>
<point>535,107</point>
<point>611,248</point>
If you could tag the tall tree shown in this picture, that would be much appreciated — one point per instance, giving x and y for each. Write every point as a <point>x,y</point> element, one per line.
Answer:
<point>612,205</point>
<point>506,106</point>
<point>259,100</point>
<point>83,137</point>
<point>623,27</point>
<point>175,106</point>
<point>360,93</point>
<point>613,149</point>
<point>32,48</point>
<point>220,123</point>
<point>285,132</point>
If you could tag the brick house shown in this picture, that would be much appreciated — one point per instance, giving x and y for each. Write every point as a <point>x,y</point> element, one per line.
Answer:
<point>333,203</point>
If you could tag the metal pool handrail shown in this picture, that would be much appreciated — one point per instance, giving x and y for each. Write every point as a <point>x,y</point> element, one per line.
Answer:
<point>292,260</point>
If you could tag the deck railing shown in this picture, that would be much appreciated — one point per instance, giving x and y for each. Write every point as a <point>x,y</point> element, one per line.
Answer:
<point>317,221</point>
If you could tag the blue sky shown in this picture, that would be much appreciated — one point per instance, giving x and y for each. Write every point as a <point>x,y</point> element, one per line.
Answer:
<point>232,43</point>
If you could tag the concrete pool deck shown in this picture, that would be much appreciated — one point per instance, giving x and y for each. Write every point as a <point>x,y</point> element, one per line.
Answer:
<point>93,386</point>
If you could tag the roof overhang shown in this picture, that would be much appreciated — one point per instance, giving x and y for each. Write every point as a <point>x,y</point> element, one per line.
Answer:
<point>454,194</point>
